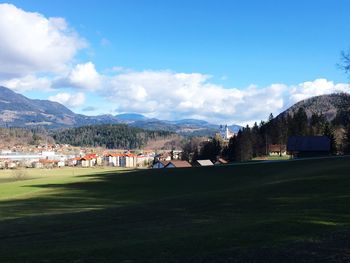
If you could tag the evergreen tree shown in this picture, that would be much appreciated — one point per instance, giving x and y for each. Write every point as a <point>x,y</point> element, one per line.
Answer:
<point>211,149</point>
<point>329,132</point>
<point>110,136</point>
<point>317,124</point>
<point>244,149</point>
<point>346,140</point>
<point>301,122</point>
<point>231,149</point>
<point>256,140</point>
<point>190,150</point>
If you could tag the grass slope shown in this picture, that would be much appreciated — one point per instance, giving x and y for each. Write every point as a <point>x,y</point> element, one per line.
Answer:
<point>256,212</point>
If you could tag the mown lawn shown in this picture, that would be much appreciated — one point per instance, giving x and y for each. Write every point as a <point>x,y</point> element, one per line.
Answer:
<point>257,212</point>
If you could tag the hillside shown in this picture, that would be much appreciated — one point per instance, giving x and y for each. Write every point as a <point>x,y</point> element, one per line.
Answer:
<point>10,137</point>
<point>294,211</point>
<point>110,136</point>
<point>17,110</point>
<point>327,105</point>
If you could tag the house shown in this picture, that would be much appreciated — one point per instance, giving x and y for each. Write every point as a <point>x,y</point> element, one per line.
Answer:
<point>46,163</point>
<point>74,161</point>
<point>199,163</point>
<point>162,157</point>
<point>128,160</point>
<point>113,159</point>
<point>11,164</point>
<point>176,155</point>
<point>88,160</point>
<point>160,164</point>
<point>308,146</point>
<point>277,150</point>
<point>221,161</point>
<point>178,164</point>
<point>61,164</point>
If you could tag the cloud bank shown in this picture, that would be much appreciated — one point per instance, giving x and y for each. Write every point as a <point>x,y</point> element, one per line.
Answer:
<point>171,95</point>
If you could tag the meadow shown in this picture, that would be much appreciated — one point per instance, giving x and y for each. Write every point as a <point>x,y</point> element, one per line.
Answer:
<point>292,211</point>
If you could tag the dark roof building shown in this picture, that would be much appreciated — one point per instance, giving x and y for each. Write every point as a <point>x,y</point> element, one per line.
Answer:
<point>309,145</point>
<point>160,164</point>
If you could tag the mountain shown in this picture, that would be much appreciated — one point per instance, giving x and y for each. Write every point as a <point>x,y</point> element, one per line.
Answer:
<point>327,105</point>
<point>190,122</point>
<point>17,110</point>
<point>130,117</point>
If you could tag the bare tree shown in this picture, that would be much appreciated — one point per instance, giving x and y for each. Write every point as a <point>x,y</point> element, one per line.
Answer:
<point>345,57</point>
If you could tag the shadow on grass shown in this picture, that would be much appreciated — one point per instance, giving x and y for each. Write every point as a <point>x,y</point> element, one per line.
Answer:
<point>178,214</point>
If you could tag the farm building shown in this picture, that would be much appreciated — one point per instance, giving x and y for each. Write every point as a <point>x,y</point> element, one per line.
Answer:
<point>178,164</point>
<point>160,164</point>
<point>308,146</point>
<point>199,163</point>
<point>277,150</point>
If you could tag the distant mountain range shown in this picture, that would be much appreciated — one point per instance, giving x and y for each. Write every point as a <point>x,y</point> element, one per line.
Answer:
<point>17,110</point>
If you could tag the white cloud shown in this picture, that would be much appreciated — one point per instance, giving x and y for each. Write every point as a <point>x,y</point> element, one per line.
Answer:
<point>170,95</point>
<point>82,76</point>
<point>68,99</point>
<point>27,83</point>
<point>30,43</point>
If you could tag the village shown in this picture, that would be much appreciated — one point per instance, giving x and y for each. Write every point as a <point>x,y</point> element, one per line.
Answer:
<point>58,156</point>
<point>51,156</point>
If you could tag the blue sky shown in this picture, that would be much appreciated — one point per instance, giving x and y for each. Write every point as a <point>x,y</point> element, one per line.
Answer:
<point>223,61</point>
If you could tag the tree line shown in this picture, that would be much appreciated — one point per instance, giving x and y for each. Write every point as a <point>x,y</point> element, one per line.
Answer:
<point>110,136</point>
<point>254,141</point>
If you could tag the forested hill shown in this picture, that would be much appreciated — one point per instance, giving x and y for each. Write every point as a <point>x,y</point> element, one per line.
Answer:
<point>109,136</point>
<point>329,106</point>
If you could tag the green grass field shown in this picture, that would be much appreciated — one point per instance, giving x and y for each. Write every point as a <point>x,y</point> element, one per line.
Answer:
<point>237,213</point>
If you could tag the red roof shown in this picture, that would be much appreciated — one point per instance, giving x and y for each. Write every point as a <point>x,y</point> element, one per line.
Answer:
<point>46,161</point>
<point>90,155</point>
<point>114,155</point>
<point>130,155</point>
